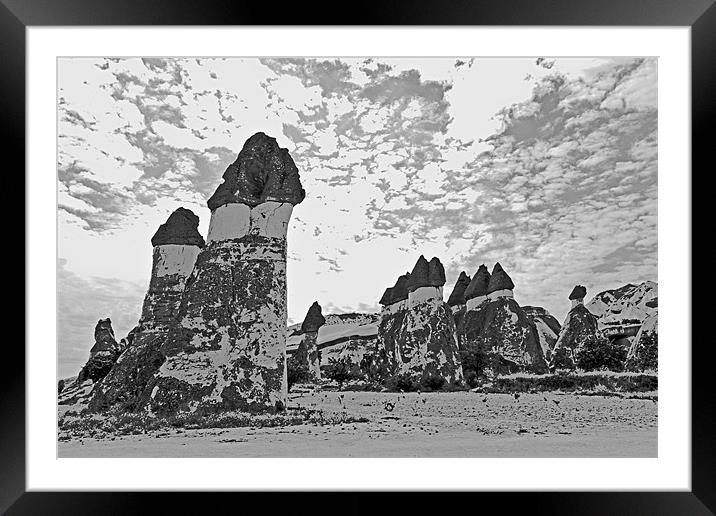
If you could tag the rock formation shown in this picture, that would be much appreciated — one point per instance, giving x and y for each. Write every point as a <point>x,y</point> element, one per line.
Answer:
<point>103,354</point>
<point>644,351</point>
<point>227,350</point>
<point>548,328</point>
<point>496,334</point>
<point>625,305</point>
<point>176,245</point>
<point>456,301</point>
<point>307,354</point>
<point>416,334</point>
<point>580,342</point>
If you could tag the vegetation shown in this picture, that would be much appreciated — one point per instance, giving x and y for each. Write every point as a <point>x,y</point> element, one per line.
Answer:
<point>597,382</point>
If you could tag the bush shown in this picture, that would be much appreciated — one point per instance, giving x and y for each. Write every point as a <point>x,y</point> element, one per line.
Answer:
<point>432,382</point>
<point>296,372</point>
<point>402,382</point>
<point>600,353</point>
<point>338,370</point>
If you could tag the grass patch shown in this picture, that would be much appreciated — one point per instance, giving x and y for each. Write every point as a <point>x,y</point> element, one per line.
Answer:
<point>592,382</point>
<point>73,425</point>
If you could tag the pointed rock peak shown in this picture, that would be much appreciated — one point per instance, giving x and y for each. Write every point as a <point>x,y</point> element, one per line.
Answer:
<point>180,228</point>
<point>436,273</point>
<point>262,172</point>
<point>104,339</point>
<point>420,275</point>
<point>578,292</point>
<point>457,297</point>
<point>499,280</point>
<point>387,297</point>
<point>399,292</point>
<point>314,318</point>
<point>479,283</point>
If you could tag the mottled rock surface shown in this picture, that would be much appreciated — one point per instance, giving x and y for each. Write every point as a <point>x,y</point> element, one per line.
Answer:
<point>227,350</point>
<point>172,263</point>
<point>262,172</point>
<point>580,329</point>
<point>503,329</point>
<point>547,326</point>
<point>626,305</point>
<point>103,355</point>
<point>644,351</point>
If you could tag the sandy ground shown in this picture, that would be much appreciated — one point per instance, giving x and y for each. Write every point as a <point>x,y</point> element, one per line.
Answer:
<point>459,424</point>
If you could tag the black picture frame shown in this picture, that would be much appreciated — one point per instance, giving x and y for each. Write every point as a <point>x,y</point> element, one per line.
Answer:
<point>17,15</point>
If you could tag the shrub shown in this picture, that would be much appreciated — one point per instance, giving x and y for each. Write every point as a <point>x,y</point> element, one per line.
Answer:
<point>432,382</point>
<point>296,372</point>
<point>338,370</point>
<point>600,353</point>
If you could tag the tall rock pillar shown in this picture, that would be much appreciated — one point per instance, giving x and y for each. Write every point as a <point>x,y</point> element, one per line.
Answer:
<point>227,350</point>
<point>176,245</point>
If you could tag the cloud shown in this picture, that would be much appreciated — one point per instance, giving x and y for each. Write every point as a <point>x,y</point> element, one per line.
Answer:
<point>548,167</point>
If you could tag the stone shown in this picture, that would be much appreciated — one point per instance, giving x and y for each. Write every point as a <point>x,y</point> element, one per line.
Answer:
<point>499,280</point>
<point>227,349</point>
<point>579,332</point>
<point>418,338</point>
<point>314,319</point>
<point>262,172</point>
<point>179,229</point>
<point>457,296</point>
<point>501,329</point>
<point>172,263</point>
<point>479,284</point>
<point>420,275</point>
<point>103,354</point>
<point>578,292</point>
<point>548,328</point>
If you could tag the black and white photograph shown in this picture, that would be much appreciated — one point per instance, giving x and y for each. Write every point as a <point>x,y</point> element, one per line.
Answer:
<point>357,257</point>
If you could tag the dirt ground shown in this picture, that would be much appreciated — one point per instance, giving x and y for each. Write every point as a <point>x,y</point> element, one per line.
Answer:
<point>441,424</point>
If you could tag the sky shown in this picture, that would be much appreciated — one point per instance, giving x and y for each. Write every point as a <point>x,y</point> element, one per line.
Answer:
<point>548,166</point>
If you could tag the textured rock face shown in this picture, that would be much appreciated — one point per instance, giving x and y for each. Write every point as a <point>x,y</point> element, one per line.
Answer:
<point>103,354</point>
<point>314,319</point>
<point>417,336</point>
<point>580,329</point>
<point>176,247</point>
<point>626,305</point>
<point>644,351</point>
<point>180,229</point>
<point>311,356</point>
<point>476,291</point>
<point>457,296</point>
<point>503,329</point>
<point>495,334</point>
<point>578,292</point>
<point>547,326</point>
<point>227,350</point>
<point>263,172</point>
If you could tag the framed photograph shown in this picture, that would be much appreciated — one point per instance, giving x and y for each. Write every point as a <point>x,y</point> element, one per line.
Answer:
<point>419,252</point>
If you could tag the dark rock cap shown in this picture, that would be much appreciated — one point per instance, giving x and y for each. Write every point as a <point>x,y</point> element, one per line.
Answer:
<point>436,273</point>
<point>314,318</point>
<point>653,303</point>
<point>387,297</point>
<point>419,277</point>
<point>262,172</point>
<point>478,285</point>
<point>578,292</point>
<point>457,297</point>
<point>104,339</point>
<point>426,274</point>
<point>499,280</point>
<point>180,228</point>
